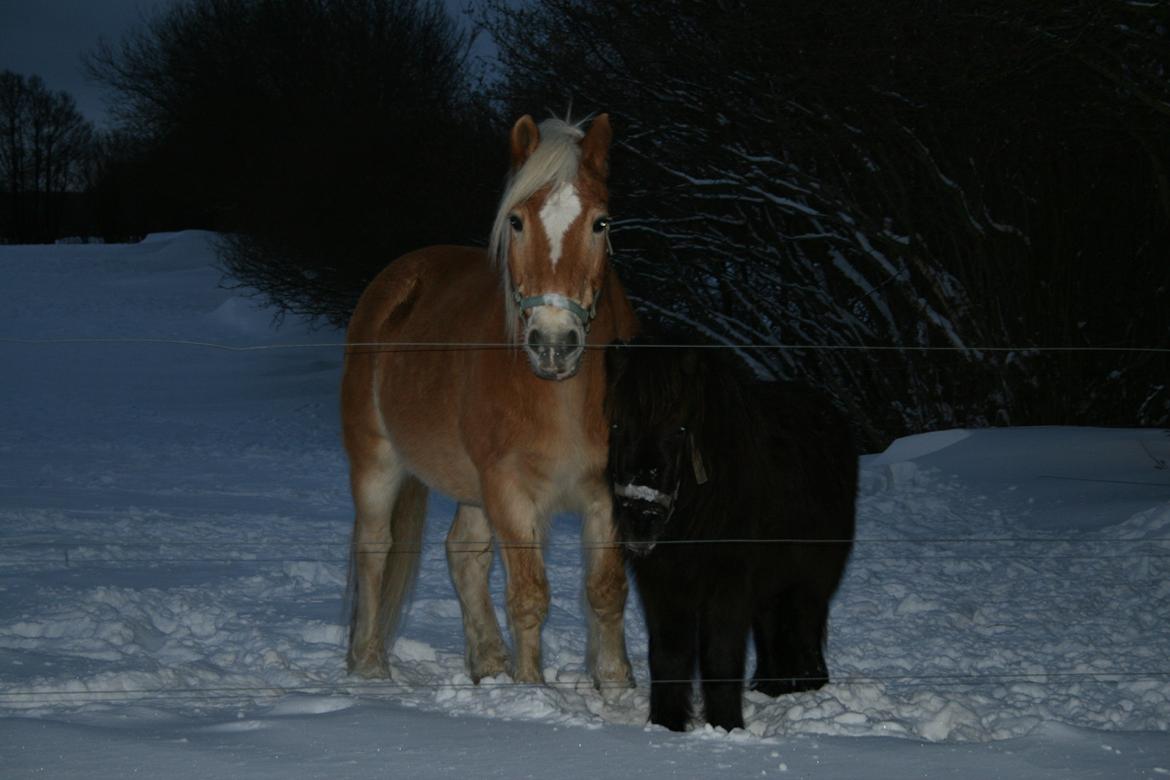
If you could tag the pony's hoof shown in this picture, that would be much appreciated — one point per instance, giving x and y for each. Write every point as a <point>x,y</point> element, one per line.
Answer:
<point>782,686</point>
<point>672,721</point>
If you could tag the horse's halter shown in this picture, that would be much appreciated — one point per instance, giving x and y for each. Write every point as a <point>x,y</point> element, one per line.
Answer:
<point>585,316</point>
<point>558,301</point>
<point>667,500</point>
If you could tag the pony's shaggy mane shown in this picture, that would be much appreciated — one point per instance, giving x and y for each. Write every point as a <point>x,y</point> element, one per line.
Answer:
<point>556,161</point>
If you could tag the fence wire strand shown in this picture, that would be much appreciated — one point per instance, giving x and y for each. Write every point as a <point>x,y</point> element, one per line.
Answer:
<point>358,688</point>
<point>389,346</point>
<point>366,688</point>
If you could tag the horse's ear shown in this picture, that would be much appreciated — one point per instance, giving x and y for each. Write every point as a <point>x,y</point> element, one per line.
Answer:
<point>525,139</point>
<point>595,146</point>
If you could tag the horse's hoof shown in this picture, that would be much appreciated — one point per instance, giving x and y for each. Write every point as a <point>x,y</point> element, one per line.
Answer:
<point>614,683</point>
<point>491,665</point>
<point>617,674</point>
<point>532,676</point>
<point>369,668</point>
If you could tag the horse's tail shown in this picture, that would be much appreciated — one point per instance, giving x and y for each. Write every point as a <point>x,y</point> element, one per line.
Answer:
<point>401,567</point>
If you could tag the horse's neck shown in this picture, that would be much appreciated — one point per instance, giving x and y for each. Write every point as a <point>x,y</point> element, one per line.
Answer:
<point>615,315</point>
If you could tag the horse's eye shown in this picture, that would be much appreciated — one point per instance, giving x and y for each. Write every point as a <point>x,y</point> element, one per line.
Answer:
<point>613,427</point>
<point>600,224</point>
<point>682,429</point>
<point>515,222</point>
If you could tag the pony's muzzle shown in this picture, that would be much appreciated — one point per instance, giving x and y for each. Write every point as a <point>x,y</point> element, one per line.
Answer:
<point>641,513</point>
<point>554,342</point>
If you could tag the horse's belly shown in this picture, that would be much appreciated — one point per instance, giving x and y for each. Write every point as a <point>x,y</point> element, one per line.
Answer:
<point>423,429</point>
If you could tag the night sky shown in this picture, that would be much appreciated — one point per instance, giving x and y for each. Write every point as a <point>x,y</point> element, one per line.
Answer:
<point>47,38</point>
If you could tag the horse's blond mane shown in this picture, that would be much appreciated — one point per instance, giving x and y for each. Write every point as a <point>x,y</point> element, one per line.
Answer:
<point>555,161</point>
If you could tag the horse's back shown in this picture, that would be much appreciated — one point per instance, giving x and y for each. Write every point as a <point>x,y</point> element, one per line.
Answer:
<point>458,280</point>
<point>813,446</point>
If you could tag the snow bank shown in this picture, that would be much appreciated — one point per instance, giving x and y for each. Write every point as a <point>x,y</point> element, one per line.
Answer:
<point>174,522</point>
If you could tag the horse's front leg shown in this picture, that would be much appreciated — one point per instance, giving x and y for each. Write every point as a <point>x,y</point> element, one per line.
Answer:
<point>606,590</point>
<point>520,534</point>
<point>469,557</point>
<point>723,628</point>
<point>671,623</point>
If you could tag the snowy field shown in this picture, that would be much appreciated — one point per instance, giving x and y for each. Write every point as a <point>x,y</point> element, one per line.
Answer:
<point>174,520</point>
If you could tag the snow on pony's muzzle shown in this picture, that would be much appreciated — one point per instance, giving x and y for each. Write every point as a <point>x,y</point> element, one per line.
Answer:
<point>643,514</point>
<point>643,493</point>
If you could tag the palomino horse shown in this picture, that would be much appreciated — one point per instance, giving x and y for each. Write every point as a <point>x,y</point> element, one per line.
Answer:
<point>513,434</point>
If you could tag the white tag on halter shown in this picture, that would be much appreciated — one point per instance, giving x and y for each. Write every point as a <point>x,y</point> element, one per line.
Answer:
<point>697,462</point>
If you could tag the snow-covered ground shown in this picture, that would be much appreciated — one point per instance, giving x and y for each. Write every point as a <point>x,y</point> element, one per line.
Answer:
<point>174,520</point>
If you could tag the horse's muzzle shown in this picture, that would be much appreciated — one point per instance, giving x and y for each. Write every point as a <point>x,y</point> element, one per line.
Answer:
<point>554,344</point>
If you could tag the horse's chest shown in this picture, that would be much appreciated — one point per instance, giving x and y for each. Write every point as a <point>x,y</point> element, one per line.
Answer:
<point>568,456</point>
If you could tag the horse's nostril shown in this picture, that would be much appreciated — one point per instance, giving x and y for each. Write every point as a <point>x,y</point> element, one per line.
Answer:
<point>573,340</point>
<point>536,339</point>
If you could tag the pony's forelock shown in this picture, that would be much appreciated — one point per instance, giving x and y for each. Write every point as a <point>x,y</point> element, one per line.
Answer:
<point>556,161</point>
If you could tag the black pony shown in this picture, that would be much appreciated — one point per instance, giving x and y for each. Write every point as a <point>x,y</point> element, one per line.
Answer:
<point>709,466</point>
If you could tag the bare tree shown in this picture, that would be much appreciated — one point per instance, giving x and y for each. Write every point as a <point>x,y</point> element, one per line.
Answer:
<point>325,137</point>
<point>47,149</point>
<point>875,181</point>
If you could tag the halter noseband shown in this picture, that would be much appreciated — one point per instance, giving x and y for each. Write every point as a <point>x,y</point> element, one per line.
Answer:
<point>558,301</point>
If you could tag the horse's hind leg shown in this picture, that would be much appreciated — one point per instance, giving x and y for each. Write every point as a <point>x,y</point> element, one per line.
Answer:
<point>789,636</point>
<point>375,477</point>
<point>469,557</point>
<point>606,589</point>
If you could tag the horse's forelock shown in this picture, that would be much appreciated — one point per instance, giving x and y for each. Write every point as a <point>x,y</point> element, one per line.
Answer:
<point>655,391</point>
<point>556,160</point>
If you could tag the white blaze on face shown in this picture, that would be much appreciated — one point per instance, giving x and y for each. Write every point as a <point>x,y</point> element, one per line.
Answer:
<point>559,212</point>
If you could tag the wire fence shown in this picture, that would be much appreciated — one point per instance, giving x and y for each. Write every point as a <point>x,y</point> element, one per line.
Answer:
<point>498,345</point>
<point>398,687</point>
<point>80,694</point>
<point>78,552</point>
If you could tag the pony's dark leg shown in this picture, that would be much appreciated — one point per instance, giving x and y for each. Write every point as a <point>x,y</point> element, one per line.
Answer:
<point>723,629</point>
<point>789,636</point>
<point>469,558</point>
<point>671,623</point>
<point>606,589</point>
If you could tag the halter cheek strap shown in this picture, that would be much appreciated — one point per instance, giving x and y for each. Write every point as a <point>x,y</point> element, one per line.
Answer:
<point>558,301</point>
